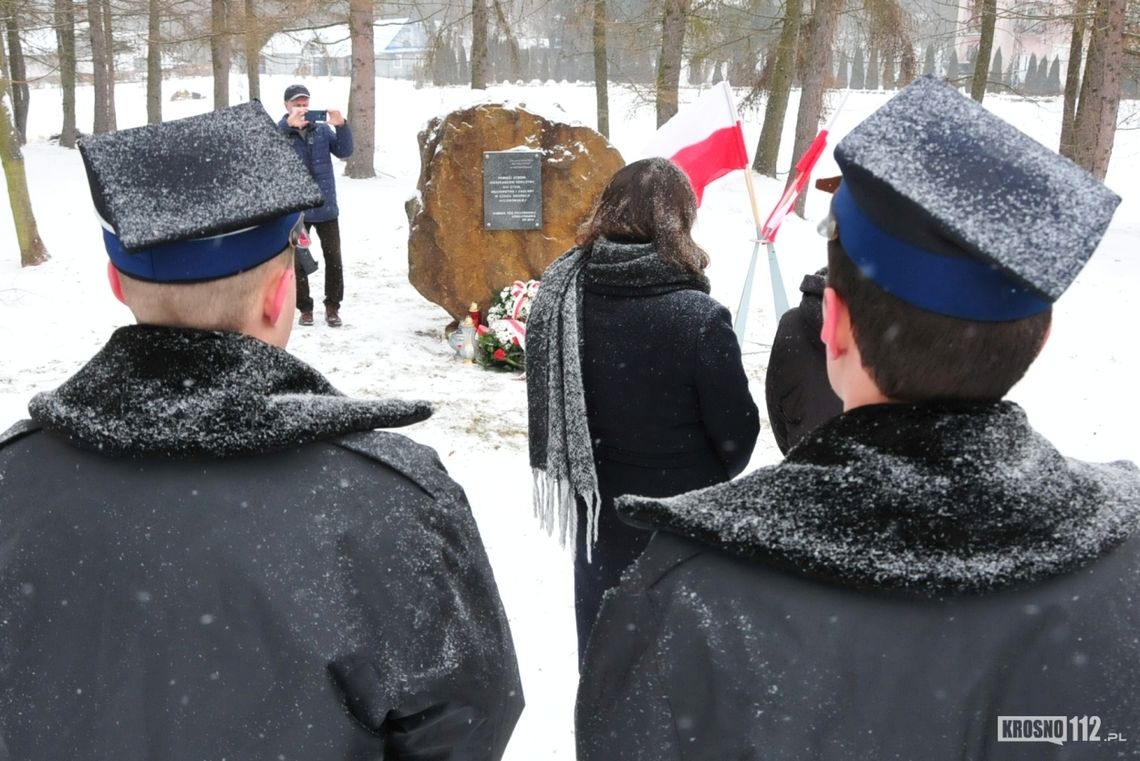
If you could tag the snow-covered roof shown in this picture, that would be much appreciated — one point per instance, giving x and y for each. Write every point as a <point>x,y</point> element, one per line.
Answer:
<point>390,35</point>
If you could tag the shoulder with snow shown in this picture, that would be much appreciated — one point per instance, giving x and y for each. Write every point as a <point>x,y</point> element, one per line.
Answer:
<point>416,462</point>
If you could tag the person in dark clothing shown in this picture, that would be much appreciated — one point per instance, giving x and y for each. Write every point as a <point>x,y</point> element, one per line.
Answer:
<point>173,588</point>
<point>796,389</point>
<point>924,575</point>
<point>316,143</point>
<point>651,398</point>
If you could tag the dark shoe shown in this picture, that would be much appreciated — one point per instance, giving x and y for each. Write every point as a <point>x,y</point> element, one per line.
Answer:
<point>306,319</point>
<point>332,317</point>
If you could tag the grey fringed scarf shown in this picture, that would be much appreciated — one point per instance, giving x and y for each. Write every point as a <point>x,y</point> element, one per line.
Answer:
<point>561,454</point>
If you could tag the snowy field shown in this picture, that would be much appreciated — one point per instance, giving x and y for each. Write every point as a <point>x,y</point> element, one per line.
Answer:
<point>1080,393</point>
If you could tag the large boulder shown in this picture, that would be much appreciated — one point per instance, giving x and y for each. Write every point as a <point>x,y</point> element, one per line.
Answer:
<point>452,260</point>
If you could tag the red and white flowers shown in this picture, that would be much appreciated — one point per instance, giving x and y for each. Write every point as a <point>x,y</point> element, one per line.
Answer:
<point>502,340</point>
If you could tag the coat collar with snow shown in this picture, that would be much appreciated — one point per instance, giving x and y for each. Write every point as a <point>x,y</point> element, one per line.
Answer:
<point>636,269</point>
<point>170,392</point>
<point>932,498</point>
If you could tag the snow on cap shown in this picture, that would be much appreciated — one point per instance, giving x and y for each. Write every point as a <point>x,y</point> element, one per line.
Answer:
<point>197,198</point>
<point>955,211</point>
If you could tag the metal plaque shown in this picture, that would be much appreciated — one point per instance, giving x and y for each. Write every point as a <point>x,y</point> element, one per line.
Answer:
<point>512,190</point>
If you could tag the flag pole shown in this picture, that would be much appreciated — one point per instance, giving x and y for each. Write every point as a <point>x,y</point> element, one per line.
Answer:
<point>766,233</point>
<point>778,293</point>
<point>780,297</point>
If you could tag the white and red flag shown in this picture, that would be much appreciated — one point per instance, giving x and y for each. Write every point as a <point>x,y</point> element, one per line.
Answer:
<point>704,138</point>
<point>795,187</point>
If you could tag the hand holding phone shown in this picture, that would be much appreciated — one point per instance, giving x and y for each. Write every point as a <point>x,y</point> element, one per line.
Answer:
<point>317,115</point>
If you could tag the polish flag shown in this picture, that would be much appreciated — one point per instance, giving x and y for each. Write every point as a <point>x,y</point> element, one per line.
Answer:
<point>799,182</point>
<point>704,138</point>
<point>795,187</point>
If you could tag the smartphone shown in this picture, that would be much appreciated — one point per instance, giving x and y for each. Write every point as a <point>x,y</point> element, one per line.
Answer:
<point>317,115</point>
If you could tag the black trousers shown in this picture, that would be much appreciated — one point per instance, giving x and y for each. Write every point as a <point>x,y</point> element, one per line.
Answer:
<point>329,233</point>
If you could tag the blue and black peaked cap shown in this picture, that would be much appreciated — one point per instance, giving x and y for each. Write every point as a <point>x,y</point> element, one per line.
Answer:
<point>955,211</point>
<point>198,198</point>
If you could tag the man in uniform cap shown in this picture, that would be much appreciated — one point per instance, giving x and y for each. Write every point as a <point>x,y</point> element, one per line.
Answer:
<point>208,551</point>
<point>924,569</point>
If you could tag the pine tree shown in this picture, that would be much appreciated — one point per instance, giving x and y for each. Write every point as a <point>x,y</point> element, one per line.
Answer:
<point>928,63</point>
<point>888,74</point>
<point>1053,84</point>
<point>996,70</point>
<point>952,67</point>
<point>1031,80</point>
<point>464,65</point>
<point>543,64</point>
<point>696,73</point>
<point>442,59</point>
<point>873,70</point>
<point>858,76</point>
<point>841,73</point>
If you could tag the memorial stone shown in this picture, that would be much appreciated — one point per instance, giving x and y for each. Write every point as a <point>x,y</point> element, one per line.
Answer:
<point>454,257</point>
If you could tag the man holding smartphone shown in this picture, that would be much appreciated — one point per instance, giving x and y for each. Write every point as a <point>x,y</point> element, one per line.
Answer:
<point>317,136</point>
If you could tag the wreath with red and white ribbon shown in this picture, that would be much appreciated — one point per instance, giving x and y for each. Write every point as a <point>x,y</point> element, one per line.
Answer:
<point>502,337</point>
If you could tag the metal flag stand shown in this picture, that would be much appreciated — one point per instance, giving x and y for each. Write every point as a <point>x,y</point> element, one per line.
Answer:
<point>779,295</point>
<point>766,233</point>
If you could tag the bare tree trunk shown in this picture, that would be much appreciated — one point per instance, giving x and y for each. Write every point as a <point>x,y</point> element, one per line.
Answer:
<point>65,39</point>
<point>19,81</point>
<point>32,250</point>
<point>907,67</point>
<point>674,19</point>
<point>1094,126</point>
<point>109,61</point>
<point>779,89</point>
<point>985,47</point>
<point>220,52</point>
<point>601,68</point>
<point>252,50</point>
<point>102,121</point>
<point>362,89</point>
<point>479,20</point>
<point>1073,77</point>
<point>154,62</point>
<point>821,36</point>
<point>503,22</point>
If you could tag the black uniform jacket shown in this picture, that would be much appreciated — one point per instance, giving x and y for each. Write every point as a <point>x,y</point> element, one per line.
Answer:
<point>206,552</point>
<point>909,579</point>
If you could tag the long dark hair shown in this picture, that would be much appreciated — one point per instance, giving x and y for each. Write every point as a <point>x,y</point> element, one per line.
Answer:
<point>649,201</point>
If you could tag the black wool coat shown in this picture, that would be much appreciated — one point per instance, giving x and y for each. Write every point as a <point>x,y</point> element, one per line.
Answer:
<point>907,577</point>
<point>667,399</point>
<point>208,552</point>
<point>796,389</point>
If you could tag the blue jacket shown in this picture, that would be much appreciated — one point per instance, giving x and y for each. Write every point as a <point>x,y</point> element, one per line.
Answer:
<point>315,145</point>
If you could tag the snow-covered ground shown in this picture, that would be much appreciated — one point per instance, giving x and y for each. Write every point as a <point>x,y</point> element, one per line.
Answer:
<point>53,317</point>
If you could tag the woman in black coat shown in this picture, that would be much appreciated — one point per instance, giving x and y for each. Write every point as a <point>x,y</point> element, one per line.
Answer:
<point>634,378</point>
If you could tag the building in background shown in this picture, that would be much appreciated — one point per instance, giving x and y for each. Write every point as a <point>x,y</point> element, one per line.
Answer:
<point>401,47</point>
